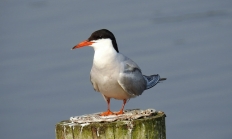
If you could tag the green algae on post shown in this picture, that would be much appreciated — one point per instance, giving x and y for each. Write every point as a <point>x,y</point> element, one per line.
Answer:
<point>150,124</point>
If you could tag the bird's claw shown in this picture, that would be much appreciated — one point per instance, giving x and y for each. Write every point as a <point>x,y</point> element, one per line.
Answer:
<point>107,113</point>
<point>120,112</point>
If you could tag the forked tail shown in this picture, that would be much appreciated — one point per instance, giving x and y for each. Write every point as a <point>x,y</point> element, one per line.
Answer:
<point>152,80</point>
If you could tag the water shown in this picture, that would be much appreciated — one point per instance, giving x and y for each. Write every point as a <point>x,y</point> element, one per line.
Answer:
<point>43,82</point>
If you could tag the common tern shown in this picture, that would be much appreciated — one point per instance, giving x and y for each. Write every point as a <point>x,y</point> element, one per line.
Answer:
<point>113,74</point>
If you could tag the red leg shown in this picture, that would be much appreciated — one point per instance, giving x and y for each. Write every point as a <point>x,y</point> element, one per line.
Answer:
<point>121,111</point>
<point>108,112</point>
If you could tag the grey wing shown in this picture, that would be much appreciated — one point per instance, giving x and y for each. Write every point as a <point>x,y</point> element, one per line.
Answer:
<point>131,78</point>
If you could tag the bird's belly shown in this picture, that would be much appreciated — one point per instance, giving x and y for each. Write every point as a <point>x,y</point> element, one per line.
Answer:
<point>111,88</point>
<point>116,93</point>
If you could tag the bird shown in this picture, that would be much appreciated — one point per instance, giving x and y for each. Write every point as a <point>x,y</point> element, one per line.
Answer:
<point>113,74</point>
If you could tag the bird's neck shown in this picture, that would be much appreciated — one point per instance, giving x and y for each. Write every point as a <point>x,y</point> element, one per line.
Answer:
<point>104,56</point>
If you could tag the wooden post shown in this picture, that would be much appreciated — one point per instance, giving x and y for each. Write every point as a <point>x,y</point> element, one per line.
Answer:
<point>144,127</point>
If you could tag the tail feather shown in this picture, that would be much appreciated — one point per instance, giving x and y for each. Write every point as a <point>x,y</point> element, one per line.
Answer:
<point>152,80</point>
<point>162,79</point>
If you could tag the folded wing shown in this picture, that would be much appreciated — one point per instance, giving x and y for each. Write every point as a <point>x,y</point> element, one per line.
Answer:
<point>131,78</point>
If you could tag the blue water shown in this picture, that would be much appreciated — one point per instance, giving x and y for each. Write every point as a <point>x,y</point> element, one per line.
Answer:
<point>43,82</point>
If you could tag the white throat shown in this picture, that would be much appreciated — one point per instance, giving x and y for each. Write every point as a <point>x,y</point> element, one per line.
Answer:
<point>104,54</point>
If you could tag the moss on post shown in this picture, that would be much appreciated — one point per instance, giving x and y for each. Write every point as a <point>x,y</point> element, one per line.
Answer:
<point>148,127</point>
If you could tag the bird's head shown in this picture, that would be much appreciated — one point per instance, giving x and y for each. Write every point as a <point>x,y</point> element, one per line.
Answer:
<point>99,38</point>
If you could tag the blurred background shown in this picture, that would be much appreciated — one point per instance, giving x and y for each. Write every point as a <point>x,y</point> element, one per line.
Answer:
<point>43,82</point>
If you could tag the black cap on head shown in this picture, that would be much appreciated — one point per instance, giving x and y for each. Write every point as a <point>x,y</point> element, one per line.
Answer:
<point>104,34</point>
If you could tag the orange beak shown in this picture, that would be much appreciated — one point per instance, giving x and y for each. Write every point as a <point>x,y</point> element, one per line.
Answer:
<point>82,44</point>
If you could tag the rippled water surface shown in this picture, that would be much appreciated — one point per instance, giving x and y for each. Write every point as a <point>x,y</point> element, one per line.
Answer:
<point>43,82</point>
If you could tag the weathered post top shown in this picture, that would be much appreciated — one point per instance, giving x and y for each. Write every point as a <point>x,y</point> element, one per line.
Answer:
<point>133,124</point>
